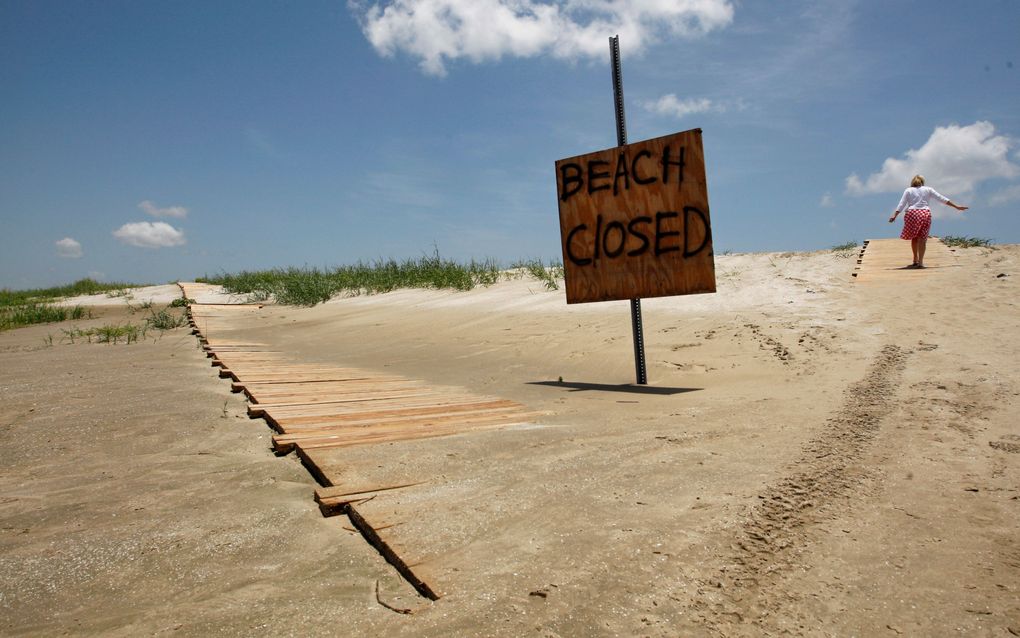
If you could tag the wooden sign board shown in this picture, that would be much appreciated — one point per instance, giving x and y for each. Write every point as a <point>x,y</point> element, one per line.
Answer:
<point>634,221</point>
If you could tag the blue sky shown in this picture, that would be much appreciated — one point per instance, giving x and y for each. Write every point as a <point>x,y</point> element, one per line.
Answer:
<point>151,141</point>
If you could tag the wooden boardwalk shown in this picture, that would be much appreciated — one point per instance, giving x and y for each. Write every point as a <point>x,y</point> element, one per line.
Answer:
<point>319,407</point>
<point>887,261</point>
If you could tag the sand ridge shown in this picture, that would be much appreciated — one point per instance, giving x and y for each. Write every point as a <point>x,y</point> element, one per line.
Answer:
<point>817,459</point>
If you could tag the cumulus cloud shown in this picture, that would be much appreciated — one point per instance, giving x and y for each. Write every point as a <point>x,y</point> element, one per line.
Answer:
<point>954,160</point>
<point>150,208</point>
<point>150,235</point>
<point>68,248</point>
<point>827,201</point>
<point>439,31</point>
<point>670,104</point>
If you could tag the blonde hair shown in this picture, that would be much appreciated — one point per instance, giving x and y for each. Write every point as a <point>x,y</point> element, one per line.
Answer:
<point>917,181</point>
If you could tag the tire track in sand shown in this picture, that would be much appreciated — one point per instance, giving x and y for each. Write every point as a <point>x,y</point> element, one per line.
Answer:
<point>779,527</point>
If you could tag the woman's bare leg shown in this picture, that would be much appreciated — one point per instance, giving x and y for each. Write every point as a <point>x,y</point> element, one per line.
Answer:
<point>922,244</point>
<point>913,248</point>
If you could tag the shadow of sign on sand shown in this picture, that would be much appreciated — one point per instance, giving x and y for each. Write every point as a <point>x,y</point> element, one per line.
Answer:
<point>580,386</point>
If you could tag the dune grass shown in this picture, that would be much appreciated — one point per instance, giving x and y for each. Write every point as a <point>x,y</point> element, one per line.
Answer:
<point>164,320</point>
<point>846,250</point>
<point>160,321</point>
<point>32,306</point>
<point>85,286</point>
<point>309,286</point>
<point>966,242</point>
<point>32,313</point>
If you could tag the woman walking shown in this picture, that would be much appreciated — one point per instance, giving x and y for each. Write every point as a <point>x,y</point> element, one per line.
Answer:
<point>917,219</point>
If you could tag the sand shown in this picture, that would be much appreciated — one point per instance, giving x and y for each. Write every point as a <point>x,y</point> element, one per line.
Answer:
<point>812,457</point>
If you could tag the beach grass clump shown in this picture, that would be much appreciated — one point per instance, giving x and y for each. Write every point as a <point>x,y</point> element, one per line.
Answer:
<point>536,268</point>
<point>16,316</point>
<point>966,242</point>
<point>849,246</point>
<point>110,333</point>
<point>310,286</point>
<point>127,333</point>
<point>85,286</point>
<point>113,333</point>
<point>164,320</point>
<point>34,305</point>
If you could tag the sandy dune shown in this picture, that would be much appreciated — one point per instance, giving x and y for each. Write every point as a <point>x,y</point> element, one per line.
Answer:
<point>812,457</point>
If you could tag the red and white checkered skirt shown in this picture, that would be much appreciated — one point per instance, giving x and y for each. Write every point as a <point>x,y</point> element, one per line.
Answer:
<point>916,223</point>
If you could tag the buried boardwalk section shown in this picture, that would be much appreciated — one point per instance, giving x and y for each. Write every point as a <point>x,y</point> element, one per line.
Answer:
<point>317,408</point>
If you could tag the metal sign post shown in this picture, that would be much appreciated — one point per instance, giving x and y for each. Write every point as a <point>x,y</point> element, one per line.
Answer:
<point>621,140</point>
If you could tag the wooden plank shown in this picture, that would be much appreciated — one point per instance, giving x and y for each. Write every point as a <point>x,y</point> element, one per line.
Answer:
<point>333,492</point>
<point>330,396</point>
<point>294,376</point>
<point>332,499</point>
<point>388,433</point>
<point>278,388</point>
<point>232,362</point>
<point>282,367</point>
<point>258,409</point>
<point>409,421</point>
<point>409,428</point>
<point>339,390</point>
<point>312,387</point>
<point>381,407</point>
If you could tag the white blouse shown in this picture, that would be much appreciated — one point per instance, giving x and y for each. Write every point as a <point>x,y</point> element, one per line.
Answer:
<point>918,196</point>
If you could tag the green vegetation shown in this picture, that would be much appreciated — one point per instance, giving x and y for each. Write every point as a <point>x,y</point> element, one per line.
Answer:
<point>113,333</point>
<point>164,320</point>
<point>181,302</point>
<point>847,250</point>
<point>966,242</point>
<point>43,295</point>
<point>309,286</point>
<point>128,333</point>
<point>26,307</point>
<point>33,313</point>
<point>548,275</point>
<point>110,333</point>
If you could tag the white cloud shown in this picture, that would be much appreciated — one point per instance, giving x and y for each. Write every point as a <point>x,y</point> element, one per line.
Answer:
<point>179,212</point>
<point>1005,196</point>
<point>150,235</point>
<point>438,31</point>
<point>669,104</point>
<point>827,201</point>
<point>68,248</point>
<point>954,160</point>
